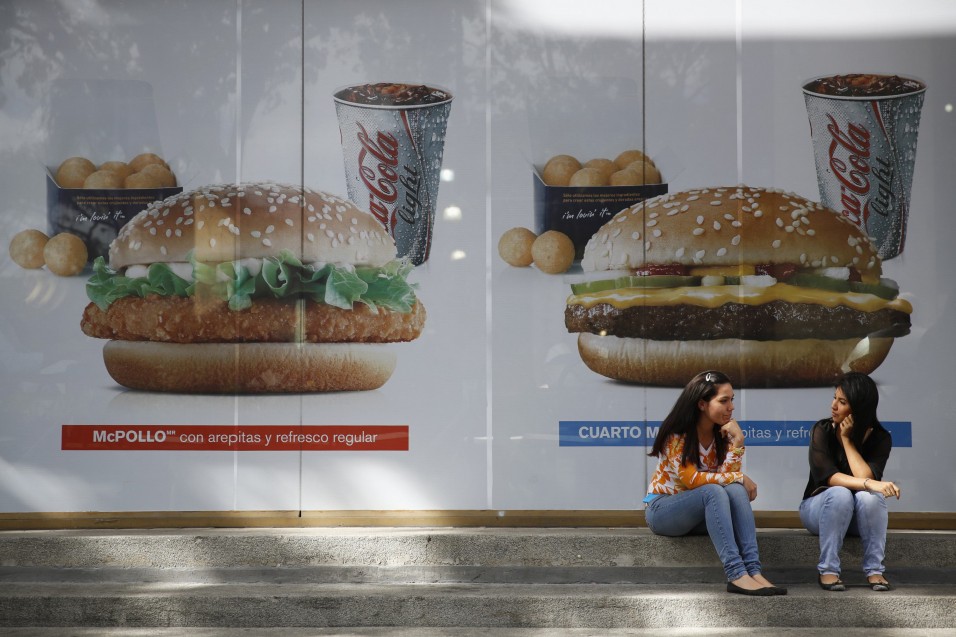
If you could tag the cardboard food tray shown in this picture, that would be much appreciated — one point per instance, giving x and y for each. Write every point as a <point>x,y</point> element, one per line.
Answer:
<point>102,120</point>
<point>96,215</point>
<point>580,211</point>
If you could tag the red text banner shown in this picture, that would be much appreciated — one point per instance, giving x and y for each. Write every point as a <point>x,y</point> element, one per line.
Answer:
<point>234,438</point>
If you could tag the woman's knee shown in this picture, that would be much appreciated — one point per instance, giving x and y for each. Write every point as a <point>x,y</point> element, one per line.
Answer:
<point>839,497</point>
<point>737,490</point>
<point>869,501</point>
<point>713,492</point>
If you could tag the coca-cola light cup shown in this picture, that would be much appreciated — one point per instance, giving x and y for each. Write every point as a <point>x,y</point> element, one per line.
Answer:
<point>393,137</point>
<point>864,128</point>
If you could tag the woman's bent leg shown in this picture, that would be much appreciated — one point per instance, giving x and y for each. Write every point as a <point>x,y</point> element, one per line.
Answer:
<point>678,514</point>
<point>674,515</point>
<point>828,515</point>
<point>870,520</point>
<point>745,529</point>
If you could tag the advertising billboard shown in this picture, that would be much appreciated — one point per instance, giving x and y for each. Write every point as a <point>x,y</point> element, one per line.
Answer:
<point>462,256</point>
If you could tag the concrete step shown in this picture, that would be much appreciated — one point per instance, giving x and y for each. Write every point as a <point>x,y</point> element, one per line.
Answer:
<point>902,576</point>
<point>418,580</point>
<point>682,631</point>
<point>409,547</point>
<point>467,605</point>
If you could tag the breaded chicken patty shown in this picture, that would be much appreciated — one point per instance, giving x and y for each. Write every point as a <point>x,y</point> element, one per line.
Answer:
<point>185,320</point>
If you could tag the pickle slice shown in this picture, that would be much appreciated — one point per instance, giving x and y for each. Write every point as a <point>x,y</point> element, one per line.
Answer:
<point>806,280</point>
<point>887,292</point>
<point>589,287</point>
<point>651,281</point>
<point>657,281</point>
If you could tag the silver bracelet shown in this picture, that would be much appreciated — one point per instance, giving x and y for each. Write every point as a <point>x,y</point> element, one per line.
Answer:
<point>864,484</point>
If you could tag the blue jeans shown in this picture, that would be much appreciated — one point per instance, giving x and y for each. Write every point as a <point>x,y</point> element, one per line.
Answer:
<point>723,511</point>
<point>837,511</point>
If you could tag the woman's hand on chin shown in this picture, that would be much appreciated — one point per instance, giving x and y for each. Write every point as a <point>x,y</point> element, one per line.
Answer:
<point>732,433</point>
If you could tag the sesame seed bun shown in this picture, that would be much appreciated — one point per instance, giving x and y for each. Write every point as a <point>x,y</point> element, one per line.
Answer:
<point>228,222</point>
<point>727,227</point>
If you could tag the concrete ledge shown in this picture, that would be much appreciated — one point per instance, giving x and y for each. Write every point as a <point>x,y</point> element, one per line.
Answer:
<point>419,631</point>
<point>466,518</point>
<point>422,631</point>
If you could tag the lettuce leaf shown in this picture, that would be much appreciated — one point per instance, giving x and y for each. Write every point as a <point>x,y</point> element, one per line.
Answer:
<point>106,286</point>
<point>282,276</point>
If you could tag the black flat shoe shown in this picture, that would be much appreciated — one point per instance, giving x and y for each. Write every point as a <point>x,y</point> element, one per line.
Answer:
<point>880,586</point>
<point>778,590</point>
<point>835,586</point>
<point>766,591</point>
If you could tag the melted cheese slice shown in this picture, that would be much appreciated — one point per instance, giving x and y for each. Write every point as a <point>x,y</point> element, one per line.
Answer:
<point>716,295</point>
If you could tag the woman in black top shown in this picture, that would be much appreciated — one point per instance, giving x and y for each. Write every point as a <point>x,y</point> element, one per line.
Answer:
<point>846,491</point>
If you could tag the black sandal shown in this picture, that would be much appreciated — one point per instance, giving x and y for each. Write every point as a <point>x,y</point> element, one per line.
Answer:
<point>883,585</point>
<point>833,586</point>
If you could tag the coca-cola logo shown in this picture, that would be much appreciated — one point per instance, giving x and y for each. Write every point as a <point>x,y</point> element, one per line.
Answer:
<point>411,208</point>
<point>376,163</point>
<point>378,169</point>
<point>849,153</point>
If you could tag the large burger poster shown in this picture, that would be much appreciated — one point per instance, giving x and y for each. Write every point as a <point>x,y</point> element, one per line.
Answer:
<point>777,290</point>
<point>309,303</point>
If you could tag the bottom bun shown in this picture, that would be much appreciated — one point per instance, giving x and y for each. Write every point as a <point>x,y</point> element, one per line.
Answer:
<point>248,368</point>
<point>788,363</point>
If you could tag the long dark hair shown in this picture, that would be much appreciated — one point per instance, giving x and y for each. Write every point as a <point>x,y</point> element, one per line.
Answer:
<point>682,420</point>
<point>863,396</point>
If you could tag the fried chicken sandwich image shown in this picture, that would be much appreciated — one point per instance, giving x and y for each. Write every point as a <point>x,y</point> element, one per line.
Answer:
<point>252,288</point>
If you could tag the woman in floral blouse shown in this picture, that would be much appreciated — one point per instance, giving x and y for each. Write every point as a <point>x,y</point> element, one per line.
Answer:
<point>698,485</point>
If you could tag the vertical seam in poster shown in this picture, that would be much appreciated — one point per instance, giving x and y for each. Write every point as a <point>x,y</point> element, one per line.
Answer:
<point>738,36</point>
<point>238,179</point>
<point>301,212</point>
<point>489,429</point>
<point>644,219</point>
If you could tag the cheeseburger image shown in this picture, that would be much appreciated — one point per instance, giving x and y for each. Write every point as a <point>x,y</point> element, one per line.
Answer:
<point>252,288</point>
<point>776,290</point>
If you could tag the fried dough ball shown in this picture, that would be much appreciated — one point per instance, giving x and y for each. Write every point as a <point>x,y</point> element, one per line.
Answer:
<point>514,247</point>
<point>73,172</point>
<point>142,180</point>
<point>562,159</point>
<point>144,159</point>
<point>65,254</point>
<point>627,177</point>
<point>629,157</point>
<point>587,177</point>
<point>161,174</point>
<point>103,179</point>
<point>602,165</point>
<point>26,248</point>
<point>553,252</point>
<point>558,170</point>
<point>121,168</point>
<point>647,168</point>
